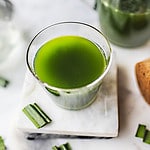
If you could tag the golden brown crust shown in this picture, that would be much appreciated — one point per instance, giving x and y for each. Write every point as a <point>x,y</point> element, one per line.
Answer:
<point>142,70</point>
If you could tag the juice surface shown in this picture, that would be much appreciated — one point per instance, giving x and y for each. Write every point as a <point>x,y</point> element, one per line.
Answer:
<point>125,22</point>
<point>69,62</point>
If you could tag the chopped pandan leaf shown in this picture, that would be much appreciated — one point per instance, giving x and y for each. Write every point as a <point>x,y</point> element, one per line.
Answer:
<point>36,115</point>
<point>3,82</point>
<point>62,147</point>
<point>141,131</point>
<point>42,113</point>
<point>147,137</point>
<point>55,148</point>
<point>67,146</point>
<point>2,145</point>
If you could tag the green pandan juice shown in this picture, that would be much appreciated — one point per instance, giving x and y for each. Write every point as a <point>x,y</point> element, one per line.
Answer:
<point>69,62</point>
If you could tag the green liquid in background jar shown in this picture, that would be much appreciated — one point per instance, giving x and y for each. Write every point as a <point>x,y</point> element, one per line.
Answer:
<point>125,22</point>
<point>69,62</point>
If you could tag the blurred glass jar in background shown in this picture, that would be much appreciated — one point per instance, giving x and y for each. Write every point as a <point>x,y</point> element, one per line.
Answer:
<point>125,22</point>
<point>9,35</point>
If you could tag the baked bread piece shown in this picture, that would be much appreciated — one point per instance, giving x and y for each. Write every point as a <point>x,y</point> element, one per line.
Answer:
<point>142,70</point>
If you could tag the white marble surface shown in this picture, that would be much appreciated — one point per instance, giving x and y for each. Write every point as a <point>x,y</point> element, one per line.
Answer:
<point>31,16</point>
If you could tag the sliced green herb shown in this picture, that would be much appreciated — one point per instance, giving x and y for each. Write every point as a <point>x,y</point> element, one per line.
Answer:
<point>43,114</point>
<point>3,82</point>
<point>62,147</point>
<point>2,144</point>
<point>141,131</point>
<point>65,146</point>
<point>146,138</point>
<point>55,148</point>
<point>36,115</point>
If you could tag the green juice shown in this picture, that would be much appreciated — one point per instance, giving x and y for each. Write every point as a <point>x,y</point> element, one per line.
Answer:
<point>125,22</point>
<point>69,62</point>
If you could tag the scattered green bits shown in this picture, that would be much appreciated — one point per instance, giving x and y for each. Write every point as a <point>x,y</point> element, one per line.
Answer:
<point>42,113</point>
<point>2,144</point>
<point>3,82</point>
<point>143,133</point>
<point>147,137</point>
<point>65,146</point>
<point>55,148</point>
<point>38,117</point>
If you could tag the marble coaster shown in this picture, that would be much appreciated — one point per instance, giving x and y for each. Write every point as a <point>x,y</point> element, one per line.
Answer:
<point>100,119</point>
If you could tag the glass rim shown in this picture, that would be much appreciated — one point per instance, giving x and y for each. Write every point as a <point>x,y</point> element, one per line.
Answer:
<point>96,81</point>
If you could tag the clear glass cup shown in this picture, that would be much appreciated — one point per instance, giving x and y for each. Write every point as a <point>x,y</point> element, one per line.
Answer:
<point>126,23</point>
<point>72,98</point>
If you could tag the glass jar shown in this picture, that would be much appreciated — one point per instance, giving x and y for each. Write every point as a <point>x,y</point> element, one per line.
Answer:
<point>6,11</point>
<point>9,34</point>
<point>125,22</point>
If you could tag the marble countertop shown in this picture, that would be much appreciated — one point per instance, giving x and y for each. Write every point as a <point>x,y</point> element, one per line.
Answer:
<point>29,18</point>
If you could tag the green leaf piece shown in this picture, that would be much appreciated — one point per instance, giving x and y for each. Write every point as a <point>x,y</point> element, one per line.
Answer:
<point>42,113</point>
<point>68,147</point>
<point>3,82</point>
<point>65,146</point>
<point>36,115</point>
<point>55,148</point>
<point>147,137</point>
<point>141,131</point>
<point>62,147</point>
<point>2,144</point>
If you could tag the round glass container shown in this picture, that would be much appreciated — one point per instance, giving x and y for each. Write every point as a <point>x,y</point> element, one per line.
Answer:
<point>125,22</point>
